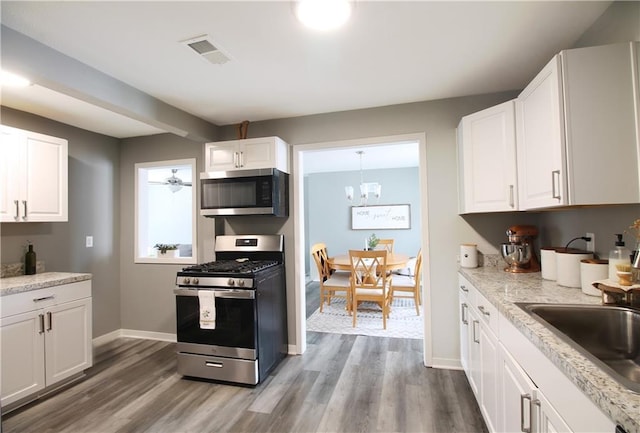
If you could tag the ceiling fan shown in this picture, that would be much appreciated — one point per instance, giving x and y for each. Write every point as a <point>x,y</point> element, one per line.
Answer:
<point>174,183</point>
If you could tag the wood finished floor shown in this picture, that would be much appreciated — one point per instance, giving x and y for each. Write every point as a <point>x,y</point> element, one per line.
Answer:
<point>343,383</point>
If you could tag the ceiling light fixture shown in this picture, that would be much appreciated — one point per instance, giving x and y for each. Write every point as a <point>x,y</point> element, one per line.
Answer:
<point>366,188</point>
<point>323,14</point>
<point>13,80</point>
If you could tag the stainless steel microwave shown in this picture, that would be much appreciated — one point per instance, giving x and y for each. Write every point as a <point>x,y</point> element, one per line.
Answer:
<point>244,192</point>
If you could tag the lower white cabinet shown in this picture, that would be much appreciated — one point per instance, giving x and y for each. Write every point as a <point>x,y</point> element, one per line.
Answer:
<point>479,344</point>
<point>518,389</point>
<point>45,338</point>
<point>523,407</point>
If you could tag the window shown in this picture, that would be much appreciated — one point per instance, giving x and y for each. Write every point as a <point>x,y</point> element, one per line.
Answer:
<point>165,198</point>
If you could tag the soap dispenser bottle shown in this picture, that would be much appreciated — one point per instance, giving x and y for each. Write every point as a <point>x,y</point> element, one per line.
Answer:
<point>30,261</point>
<point>618,256</point>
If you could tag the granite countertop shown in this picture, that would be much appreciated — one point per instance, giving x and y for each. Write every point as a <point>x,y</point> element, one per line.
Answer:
<point>26,283</point>
<point>503,289</point>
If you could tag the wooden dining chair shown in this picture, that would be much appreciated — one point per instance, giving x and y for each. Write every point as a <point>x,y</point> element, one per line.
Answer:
<point>408,286</point>
<point>369,281</point>
<point>385,244</point>
<point>334,284</point>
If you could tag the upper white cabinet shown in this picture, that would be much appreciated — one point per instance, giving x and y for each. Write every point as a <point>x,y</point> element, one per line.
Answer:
<point>577,136</point>
<point>487,157</point>
<point>33,175</point>
<point>252,153</point>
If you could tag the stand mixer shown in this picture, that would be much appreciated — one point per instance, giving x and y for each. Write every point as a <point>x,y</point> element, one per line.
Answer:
<point>519,253</point>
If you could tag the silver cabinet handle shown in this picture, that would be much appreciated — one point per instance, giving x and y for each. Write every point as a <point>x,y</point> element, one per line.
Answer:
<point>41,317</point>
<point>235,159</point>
<point>50,325</point>
<point>555,179</point>
<point>475,337</point>
<point>464,288</point>
<point>524,397</point>
<point>511,197</point>
<point>17,209</point>
<point>463,316</point>
<point>483,311</point>
<point>213,364</point>
<point>241,159</point>
<point>45,298</point>
<point>24,203</point>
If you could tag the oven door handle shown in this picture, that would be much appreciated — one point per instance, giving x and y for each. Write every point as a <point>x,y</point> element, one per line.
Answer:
<point>220,293</point>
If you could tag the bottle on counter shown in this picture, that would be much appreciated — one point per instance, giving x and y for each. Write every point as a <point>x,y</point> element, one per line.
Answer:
<point>30,261</point>
<point>618,256</point>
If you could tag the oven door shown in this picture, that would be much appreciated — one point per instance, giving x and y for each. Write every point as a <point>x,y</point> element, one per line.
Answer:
<point>235,334</point>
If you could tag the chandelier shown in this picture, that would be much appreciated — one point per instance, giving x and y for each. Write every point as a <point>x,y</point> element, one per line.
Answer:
<point>367,189</point>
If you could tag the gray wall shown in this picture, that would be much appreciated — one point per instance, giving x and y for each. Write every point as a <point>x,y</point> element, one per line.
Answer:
<point>329,213</point>
<point>94,200</point>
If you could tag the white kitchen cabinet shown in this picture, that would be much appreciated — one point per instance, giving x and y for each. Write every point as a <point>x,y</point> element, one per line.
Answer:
<point>252,153</point>
<point>577,140</point>
<point>523,407</point>
<point>480,347</point>
<point>34,175</point>
<point>487,157</point>
<point>45,338</point>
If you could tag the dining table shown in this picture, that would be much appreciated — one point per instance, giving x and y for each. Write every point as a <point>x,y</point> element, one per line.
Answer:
<point>342,262</point>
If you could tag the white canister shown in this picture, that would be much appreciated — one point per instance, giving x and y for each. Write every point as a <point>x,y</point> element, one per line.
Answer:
<point>568,266</point>
<point>592,270</point>
<point>469,255</point>
<point>548,263</point>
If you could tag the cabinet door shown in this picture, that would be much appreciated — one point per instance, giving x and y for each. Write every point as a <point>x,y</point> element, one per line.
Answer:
<point>10,174</point>
<point>514,396</point>
<point>547,419</point>
<point>68,339</point>
<point>488,147</point>
<point>221,156</point>
<point>46,183</point>
<point>258,154</point>
<point>464,333</point>
<point>489,377</point>
<point>541,150</point>
<point>475,372</point>
<point>22,354</point>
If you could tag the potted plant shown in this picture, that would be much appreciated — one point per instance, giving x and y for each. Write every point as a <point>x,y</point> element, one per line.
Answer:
<point>163,248</point>
<point>372,241</point>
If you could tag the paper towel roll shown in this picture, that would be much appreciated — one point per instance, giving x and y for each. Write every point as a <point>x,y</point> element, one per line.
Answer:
<point>469,255</point>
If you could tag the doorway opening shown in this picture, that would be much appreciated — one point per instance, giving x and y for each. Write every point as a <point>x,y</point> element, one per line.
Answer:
<point>402,183</point>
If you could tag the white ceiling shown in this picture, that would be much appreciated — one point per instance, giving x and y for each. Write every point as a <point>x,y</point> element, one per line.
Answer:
<point>391,52</point>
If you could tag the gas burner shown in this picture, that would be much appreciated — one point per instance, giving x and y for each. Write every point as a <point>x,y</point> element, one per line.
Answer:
<point>232,266</point>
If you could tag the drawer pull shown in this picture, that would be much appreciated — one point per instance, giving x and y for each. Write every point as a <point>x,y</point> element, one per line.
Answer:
<point>213,364</point>
<point>483,311</point>
<point>45,298</point>
<point>464,288</point>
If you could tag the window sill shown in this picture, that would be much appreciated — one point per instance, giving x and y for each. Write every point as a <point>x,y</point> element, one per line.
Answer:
<point>167,260</point>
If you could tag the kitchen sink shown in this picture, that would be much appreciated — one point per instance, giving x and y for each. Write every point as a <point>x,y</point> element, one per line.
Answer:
<point>608,335</point>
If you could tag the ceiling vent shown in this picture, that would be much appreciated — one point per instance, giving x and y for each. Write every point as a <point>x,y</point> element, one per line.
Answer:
<point>205,48</point>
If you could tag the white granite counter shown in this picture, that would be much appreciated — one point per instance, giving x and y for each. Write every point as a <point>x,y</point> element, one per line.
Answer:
<point>26,283</point>
<point>503,289</point>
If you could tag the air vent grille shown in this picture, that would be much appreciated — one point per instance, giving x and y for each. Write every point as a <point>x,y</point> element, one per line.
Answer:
<point>206,49</point>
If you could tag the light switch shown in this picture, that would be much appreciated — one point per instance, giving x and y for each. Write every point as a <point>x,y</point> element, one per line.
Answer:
<point>89,241</point>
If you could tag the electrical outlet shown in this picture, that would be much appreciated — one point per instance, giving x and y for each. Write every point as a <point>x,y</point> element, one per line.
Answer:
<point>89,242</point>
<point>591,245</point>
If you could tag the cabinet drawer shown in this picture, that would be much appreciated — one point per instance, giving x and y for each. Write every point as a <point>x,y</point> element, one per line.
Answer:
<point>43,298</point>
<point>467,290</point>
<point>488,313</point>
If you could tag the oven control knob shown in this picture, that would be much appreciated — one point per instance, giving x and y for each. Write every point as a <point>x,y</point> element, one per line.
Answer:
<point>241,283</point>
<point>196,281</point>
<point>187,280</point>
<point>231,282</point>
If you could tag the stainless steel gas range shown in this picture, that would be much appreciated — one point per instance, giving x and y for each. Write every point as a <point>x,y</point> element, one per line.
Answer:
<point>231,313</point>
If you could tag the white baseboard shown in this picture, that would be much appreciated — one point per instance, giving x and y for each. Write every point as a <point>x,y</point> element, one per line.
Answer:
<point>133,333</point>
<point>148,335</point>
<point>447,364</point>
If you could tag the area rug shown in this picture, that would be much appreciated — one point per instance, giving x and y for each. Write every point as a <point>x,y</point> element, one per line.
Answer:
<point>402,322</point>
